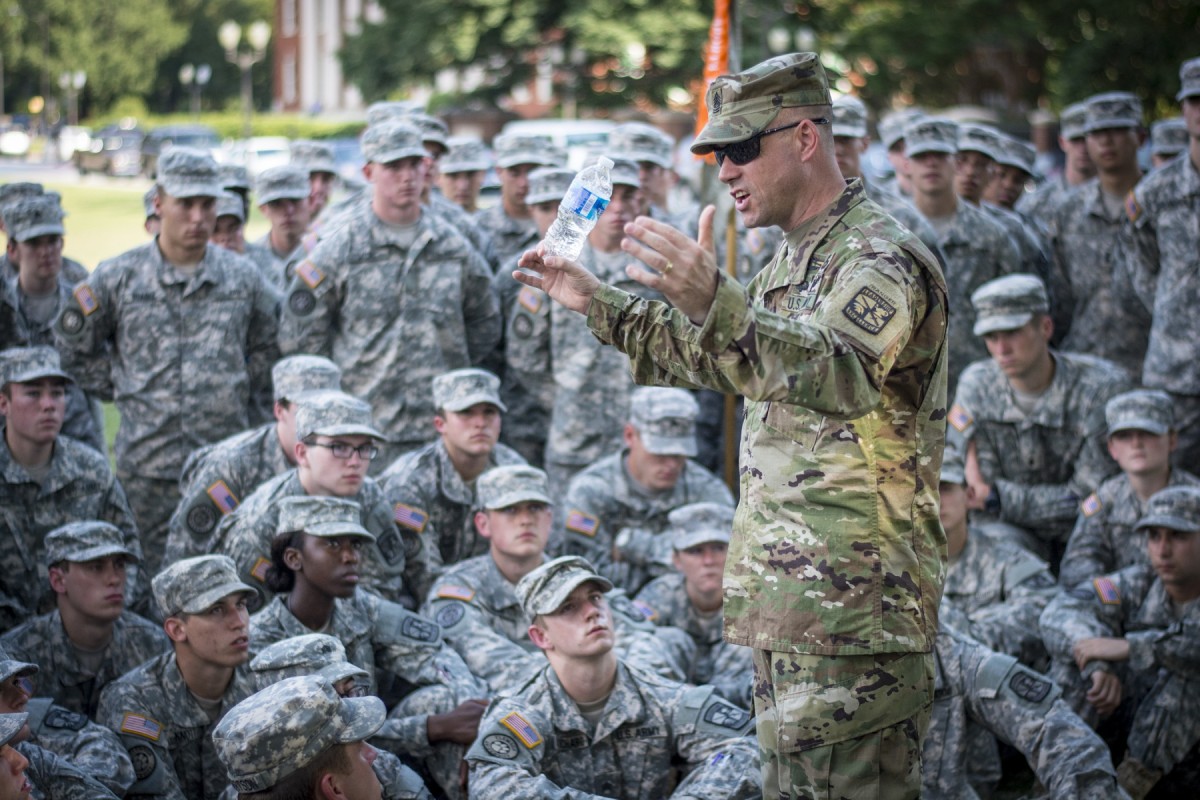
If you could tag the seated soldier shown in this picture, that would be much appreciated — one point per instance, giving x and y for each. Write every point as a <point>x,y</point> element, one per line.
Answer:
<point>616,509</point>
<point>48,481</point>
<point>90,639</point>
<point>995,591</point>
<point>315,560</point>
<point>1141,439</point>
<point>432,490</point>
<point>591,723</point>
<point>1129,642</point>
<point>1030,419</point>
<point>976,686</point>
<point>164,711</point>
<point>335,442</point>
<point>31,771</point>
<point>690,598</point>
<point>217,477</point>
<point>476,604</point>
<point>13,783</point>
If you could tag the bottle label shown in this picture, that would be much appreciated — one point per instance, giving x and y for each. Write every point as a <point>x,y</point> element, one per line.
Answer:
<point>584,203</point>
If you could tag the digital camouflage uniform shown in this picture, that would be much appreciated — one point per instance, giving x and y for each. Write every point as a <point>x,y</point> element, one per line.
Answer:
<point>535,743</point>
<point>287,182</point>
<point>53,777</point>
<point>1040,204</point>
<point>91,748</point>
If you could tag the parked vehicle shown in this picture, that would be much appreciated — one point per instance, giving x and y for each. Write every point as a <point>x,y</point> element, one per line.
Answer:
<point>113,151</point>
<point>159,139</point>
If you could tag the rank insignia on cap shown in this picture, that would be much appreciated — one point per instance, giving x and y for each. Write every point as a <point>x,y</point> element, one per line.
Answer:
<point>141,726</point>
<point>869,310</point>
<point>224,499</point>
<point>959,418</point>
<point>85,298</point>
<point>259,570</point>
<point>412,518</point>
<point>582,523</point>
<point>1106,590</point>
<point>464,593</point>
<point>521,727</point>
<point>1091,505</point>
<point>1132,209</point>
<point>309,273</point>
<point>529,299</point>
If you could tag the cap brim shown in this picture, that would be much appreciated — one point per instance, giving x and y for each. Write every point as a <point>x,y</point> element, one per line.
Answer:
<point>1008,162</point>
<point>335,673</point>
<point>1168,521</point>
<point>212,596</point>
<point>911,151</point>
<point>853,131</point>
<point>11,667</point>
<point>1002,322</point>
<point>1184,94</point>
<point>463,166</point>
<point>348,430</point>
<point>718,133</point>
<point>669,445</point>
<point>1141,424</point>
<point>395,155</point>
<point>694,538</point>
<point>35,231</point>
<point>648,157</point>
<point>519,496</point>
<point>1108,124</point>
<point>39,374</point>
<point>546,197</point>
<point>358,718</point>
<point>475,399</point>
<point>100,551</point>
<point>525,158</point>
<point>188,189</point>
<point>555,601</point>
<point>271,197</point>
<point>331,529</point>
<point>320,166</point>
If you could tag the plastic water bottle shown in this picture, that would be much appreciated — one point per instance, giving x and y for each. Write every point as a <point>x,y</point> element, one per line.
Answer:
<point>584,202</point>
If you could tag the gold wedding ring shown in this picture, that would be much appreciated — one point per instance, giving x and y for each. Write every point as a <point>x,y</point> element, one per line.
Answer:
<point>668,268</point>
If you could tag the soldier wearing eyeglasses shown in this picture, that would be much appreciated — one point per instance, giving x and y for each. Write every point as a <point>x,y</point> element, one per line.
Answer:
<point>837,556</point>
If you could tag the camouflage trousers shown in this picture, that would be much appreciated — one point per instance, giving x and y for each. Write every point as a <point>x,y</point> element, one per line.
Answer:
<point>842,726</point>
<point>152,501</point>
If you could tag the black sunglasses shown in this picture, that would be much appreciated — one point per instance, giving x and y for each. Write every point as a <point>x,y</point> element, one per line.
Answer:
<point>745,151</point>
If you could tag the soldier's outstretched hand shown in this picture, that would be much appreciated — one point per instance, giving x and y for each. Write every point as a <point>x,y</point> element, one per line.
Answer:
<point>565,281</point>
<point>685,271</point>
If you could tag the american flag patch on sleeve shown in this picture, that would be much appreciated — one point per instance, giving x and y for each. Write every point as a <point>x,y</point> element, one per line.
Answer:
<point>87,300</point>
<point>1091,505</point>
<point>959,418</point>
<point>141,726</point>
<point>259,570</point>
<point>529,299</point>
<point>582,523</point>
<point>309,273</point>
<point>412,518</point>
<point>224,499</point>
<point>521,727</point>
<point>1107,591</point>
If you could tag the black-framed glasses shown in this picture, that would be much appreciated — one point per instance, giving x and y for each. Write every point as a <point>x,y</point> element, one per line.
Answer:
<point>343,451</point>
<point>745,151</point>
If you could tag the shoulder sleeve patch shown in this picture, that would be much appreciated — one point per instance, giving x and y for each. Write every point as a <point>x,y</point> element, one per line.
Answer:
<point>464,593</point>
<point>59,717</point>
<point>869,310</point>
<point>412,518</point>
<point>959,418</point>
<point>530,299</point>
<point>1091,505</point>
<point>1029,686</point>
<point>647,610</point>
<point>259,570</point>
<point>500,745</point>
<point>86,299</point>
<point>524,731</point>
<point>722,714</point>
<point>1107,591</point>
<point>309,273</point>
<point>1132,209</point>
<point>222,497</point>
<point>139,725</point>
<point>579,522</point>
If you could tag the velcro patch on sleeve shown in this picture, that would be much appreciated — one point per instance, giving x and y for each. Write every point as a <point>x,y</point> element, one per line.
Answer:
<point>309,273</point>
<point>579,522</point>
<point>85,298</point>
<point>464,593</point>
<point>259,570</point>
<point>223,498</point>
<point>647,611</point>
<point>525,732</point>
<point>139,725</point>
<point>412,518</point>
<point>959,418</point>
<point>1133,209</point>
<point>1091,505</point>
<point>1107,591</point>
<point>869,310</point>
<point>530,299</point>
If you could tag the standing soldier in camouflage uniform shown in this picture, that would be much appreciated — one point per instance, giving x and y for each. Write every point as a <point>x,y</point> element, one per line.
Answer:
<point>462,170</point>
<point>218,477</point>
<point>508,223</point>
<point>283,198</point>
<point>615,511</point>
<point>153,222</point>
<point>165,710</point>
<point>839,348</point>
<point>11,193</point>
<point>315,158</point>
<point>690,598</point>
<point>48,480</point>
<point>234,178</point>
<point>1015,167</point>
<point>432,490</point>
<point>395,297</point>
<point>589,724</point>
<point>1133,637</point>
<point>1141,438</point>
<point>1161,245</point>
<point>195,379</point>
<point>1168,138</point>
<point>90,639</point>
<point>975,247</point>
<point>1042,203</point>
<point>1030,420</point>
<point>230,230</point>
<point>891,135</point>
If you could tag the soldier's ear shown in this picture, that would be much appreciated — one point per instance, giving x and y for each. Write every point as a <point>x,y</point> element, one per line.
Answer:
<point>482,524</point>
<point>175,629</point>
<point>537,635</point>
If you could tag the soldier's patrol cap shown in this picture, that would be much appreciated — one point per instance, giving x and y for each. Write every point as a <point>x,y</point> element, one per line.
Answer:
<point>465,154</point>
<point>1112,110</point>
<point>623,172</point>
<point>931,135</point>
<point>31,217</point>
<point>849,117</point>
<point>641,142</point>
<point>746,103</point>
<point>331,413</point>
<point>1007,303</point>
<point>505,486</point>
<point>11,668</point>
<point>191,585</point>
<point>1016,153</point>
<point>79,542</point>
<point>387,110</point>
<point>11,725</point>
<point>893,125</point>
<point>321,515</point>
<point>1176,507</point>
<point>1189,79</point>
<point>1149,410</point>
<point>230,205</point>
<point>299,374</point>
<point>433,130</point>
<point>1072,121</point>
<point>316,654</point>
<point>148,201</point>
<point>234,176</point>
<point>952,467</point>
<point>548,184</point>
<point>392,140</point>
<point>1168,137</point>
<point>18,190</point>
<point>460,389</point>
<point>700,523</point>
<point>188,172</point>
<point>275,732</point>
<point>512,149</point>
<point>28,364</point>
<point>312,156</point>
<point>545,589</point>
<point>665,420</point>
<point>979,139</point>
<point>285,182</point>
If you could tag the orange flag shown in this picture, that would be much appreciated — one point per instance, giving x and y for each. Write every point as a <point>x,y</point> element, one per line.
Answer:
<point>716,61</point>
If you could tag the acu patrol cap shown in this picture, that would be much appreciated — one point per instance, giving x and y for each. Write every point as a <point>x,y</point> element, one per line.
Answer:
<point>312,156</point>
<point>1176,507</point>
<point>299,374</point>
<point>979,139</point>
<point>665,420</point>
<point>512,149</point>
<point>548,184</point>
<point>504,487</point>
<point>1112,110</point>
<point>1189,79</point>
<point>191,585</point>
<point>286,182</point>
<point>931,135</point>
<point>1016,153</point>
<point>28,364</point>
<point>148,201</point>
<point>234,176</point>
<point>640,142</point>
<point>460,389</point>
<point>231,205</point>
<point>743,105</point>
<point>11,725</point>
<point>1169,137</point>
<point>849,117</point>
<point>700,523</point>
<point>320,515</point>
<point>893,125</point>
<point>1007,303</point>
<point>78,542</point>
<point>315,654</point>
<point>11,668</point>
<point>465,155</point>
<point>332,413</point>
<point>392,140</point>
<point>272,734</point>
<point>1149,410</point>
<point>545,589</point>
<point>1071,123</point>
<point>433,130</point>
<point>952,467</point>
<point>19,190</point>
<point>30,217</point>
<point>188,172</point>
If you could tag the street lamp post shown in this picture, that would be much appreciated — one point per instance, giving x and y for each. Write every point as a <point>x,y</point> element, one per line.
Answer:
<point>72,83</point>
<point>194,79</point>
<point>257,36</point>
